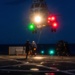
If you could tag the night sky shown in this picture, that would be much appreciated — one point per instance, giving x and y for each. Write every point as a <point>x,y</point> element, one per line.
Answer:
<point>14,21</point>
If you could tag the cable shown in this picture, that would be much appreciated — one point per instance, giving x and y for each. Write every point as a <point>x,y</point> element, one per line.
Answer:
<point>39,37</point>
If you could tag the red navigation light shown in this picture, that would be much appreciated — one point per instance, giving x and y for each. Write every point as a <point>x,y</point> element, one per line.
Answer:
<point>49,18</point>
<point>53,18</point>
<point>55,24</point>
<point>48,21</point>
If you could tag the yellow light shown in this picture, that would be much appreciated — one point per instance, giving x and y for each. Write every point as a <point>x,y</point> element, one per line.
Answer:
<point>37,19</point>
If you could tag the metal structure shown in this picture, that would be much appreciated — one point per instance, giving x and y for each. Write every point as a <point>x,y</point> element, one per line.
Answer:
<point>40,16</point>
<point>39,13</point>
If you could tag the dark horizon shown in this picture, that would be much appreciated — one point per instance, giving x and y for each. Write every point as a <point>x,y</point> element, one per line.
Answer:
<point>4,48</point>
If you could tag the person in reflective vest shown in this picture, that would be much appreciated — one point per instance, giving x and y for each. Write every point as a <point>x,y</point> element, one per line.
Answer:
<point>34,48</point>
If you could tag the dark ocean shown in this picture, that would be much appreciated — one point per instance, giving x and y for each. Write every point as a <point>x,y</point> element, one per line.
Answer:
<point>4,49</point>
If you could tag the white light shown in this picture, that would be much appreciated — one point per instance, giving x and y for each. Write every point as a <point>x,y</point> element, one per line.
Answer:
<point>34,69</point>
<point>38,58</point>
<point>37,19</point>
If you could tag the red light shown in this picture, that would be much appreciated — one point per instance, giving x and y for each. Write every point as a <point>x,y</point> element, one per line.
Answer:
<point>48,21</point>
<point>49,18</point>
<point>53,18</point>
<point>52,74</point>
<point>54,24</point>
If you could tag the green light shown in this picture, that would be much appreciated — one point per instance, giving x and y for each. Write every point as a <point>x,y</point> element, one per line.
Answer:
<point>42,52</point>
<point>51,52</point>
<point>31,26</point>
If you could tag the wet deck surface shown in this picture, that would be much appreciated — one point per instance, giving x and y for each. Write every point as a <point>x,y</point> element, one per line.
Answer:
<point>65,65</point>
